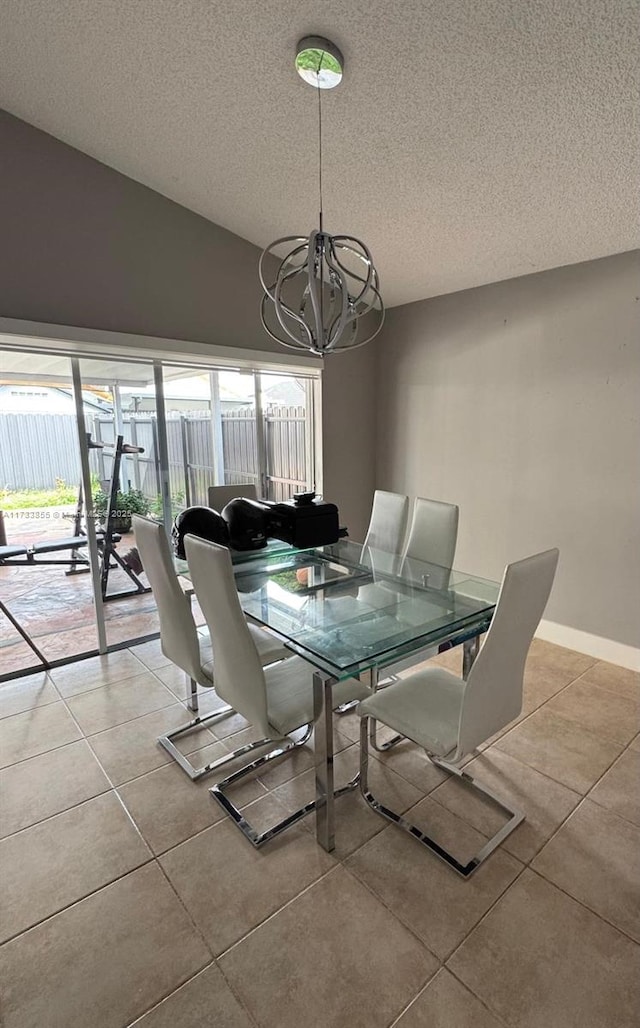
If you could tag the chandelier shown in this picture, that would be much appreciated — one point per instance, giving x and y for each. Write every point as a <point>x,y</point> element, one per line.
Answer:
<point>323,294</point>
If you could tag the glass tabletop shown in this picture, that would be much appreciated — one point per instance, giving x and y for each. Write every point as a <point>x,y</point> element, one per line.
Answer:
<point>347,608</point>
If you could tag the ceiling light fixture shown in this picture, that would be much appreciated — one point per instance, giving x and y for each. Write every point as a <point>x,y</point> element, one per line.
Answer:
<point>324,285</point>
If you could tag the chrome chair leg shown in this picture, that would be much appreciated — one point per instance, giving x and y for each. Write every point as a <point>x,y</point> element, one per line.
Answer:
<point>346,708</point>
<point>258,839</point>
<point>166,741</point>
<point>192,695</point>
<point>515,816</point>
<point>373,724</point>
<point>381,747</point>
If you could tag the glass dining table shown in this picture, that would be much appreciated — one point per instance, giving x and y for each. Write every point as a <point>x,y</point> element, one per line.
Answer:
<point>352,612</point>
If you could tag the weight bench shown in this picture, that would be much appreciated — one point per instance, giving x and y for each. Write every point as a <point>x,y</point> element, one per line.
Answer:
<point>26,556</point>
<point>6,552</point>
<point>37,555</point>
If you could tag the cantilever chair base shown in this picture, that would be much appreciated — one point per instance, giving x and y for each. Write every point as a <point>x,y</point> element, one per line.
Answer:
<point>346,708</point>
<point>196,723</point>
<point>258,839</point>
<point>516,817</point>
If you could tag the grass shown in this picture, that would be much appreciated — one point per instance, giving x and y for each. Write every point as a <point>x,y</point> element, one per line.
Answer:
<point>62,495</point>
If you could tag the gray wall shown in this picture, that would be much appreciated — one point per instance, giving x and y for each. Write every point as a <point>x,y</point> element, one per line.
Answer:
<point>83,245</point>
<point>520,401</point>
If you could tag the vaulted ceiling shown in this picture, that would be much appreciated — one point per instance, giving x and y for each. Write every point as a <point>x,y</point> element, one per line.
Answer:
<point>469,141</point>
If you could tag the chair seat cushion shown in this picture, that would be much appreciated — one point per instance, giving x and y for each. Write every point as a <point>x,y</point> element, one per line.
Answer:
<point>269,648</point>
<point>425,707</point>
<point>290,694</point>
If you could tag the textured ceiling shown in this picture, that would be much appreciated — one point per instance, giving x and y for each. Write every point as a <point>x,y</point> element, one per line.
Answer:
<point>469,142</point>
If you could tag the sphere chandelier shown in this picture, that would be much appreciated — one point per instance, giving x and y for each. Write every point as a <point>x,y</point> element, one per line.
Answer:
<point>324,285</point>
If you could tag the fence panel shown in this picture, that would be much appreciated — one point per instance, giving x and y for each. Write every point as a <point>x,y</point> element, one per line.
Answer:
<point>240,447</point>
<point>286,452</point>
<point>36,449</point>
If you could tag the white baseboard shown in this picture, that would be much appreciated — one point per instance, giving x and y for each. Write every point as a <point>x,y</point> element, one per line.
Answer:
<point>593,645</point>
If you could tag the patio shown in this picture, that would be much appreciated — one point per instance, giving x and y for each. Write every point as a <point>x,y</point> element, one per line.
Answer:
<point>57,609</point>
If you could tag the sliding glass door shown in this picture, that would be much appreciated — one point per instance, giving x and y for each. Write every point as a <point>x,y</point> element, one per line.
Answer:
<point>211,432</point>
<point>286,427</point>
<point>122,436</point>
<point>237,428</point>
<point>46,600</point>
<point>132,436</point>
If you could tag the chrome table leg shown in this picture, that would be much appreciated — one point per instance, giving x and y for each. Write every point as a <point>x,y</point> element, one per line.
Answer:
<point>323,746</point>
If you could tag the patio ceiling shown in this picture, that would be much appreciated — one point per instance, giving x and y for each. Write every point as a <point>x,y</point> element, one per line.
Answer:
<point>54,369</point>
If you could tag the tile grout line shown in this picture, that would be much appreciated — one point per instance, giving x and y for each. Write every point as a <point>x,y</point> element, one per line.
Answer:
<point>527,866</point>
<point>419,993</point>
<point>575,724</point>
<point>331,870</point>
<point>524,866</point>
<point>238,997</point>
<point>269,917</point>
<point>78,900</point>
<point>154,859</point>
<point>496,1017</point>
<point>183,985</point>
<point>73,806</point>
<point>581,903</point>
<point>112,789</point>
<point>163,999</point>
<point>395,915</point>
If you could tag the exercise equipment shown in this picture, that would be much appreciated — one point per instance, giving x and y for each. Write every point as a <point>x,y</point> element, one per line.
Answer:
<point>38,554</point>
<point>109,553</point>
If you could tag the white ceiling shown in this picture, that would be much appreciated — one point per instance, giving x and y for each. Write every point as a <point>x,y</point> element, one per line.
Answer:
<point>470,141</point>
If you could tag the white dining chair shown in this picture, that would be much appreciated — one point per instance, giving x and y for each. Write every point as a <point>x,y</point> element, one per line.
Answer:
<point>220,495</point>
<point>432,538</point>
<point>278,701</point>
<point>382,545</point>
<point>388,522</point>
<point>449,717</point>
<point>433,532</point>
<point>179,638</point>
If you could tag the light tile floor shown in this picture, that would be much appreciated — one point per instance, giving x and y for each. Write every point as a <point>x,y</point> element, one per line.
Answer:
<point>128,898</point>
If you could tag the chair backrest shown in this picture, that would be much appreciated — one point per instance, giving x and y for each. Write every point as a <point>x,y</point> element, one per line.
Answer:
<point>388,521</point>
<point>178,634</point>
<point>220,495</point>
<point>493,691</point>
<point>433,533</point>
<point>239,675</point>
